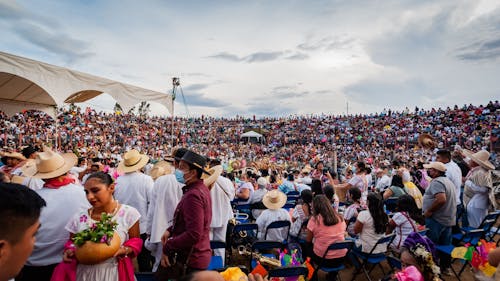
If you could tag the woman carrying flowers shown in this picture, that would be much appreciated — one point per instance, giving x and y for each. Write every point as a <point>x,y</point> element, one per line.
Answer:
<point>106,222</point>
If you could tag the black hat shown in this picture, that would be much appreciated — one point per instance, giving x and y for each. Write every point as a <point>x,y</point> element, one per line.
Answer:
<point>196,160</point>
<point>178,153</point>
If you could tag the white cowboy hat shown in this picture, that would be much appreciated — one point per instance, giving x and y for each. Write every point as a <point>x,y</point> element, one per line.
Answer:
<point>161,168</point>
<point>481,158</point>
<point>132,161</point>
<point>274,199</point>
<point>50,164</point>
<point>436,165</point>
<point>215,172</point>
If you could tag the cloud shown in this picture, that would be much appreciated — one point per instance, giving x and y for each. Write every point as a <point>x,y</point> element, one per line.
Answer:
<point>225,56</point>
<point>198,99</point>
<point>328,43</point>
<point>298,56</point>
<point>263,56</point>
<point>266,108</point>
<point>61,44</point>
<point>195,87</point>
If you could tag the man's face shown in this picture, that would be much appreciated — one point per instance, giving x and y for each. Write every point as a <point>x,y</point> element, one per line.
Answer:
<point>442,159</point>
<point>13,257</point>
<point>433,173</point>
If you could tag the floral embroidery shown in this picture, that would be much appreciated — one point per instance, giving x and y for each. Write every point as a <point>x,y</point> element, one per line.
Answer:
<point>83,218</point>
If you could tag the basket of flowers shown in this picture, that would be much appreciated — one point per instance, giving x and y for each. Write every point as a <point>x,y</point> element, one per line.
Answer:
<point>97,243</point>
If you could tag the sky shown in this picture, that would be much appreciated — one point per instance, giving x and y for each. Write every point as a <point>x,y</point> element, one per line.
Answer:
<point>271,58</point>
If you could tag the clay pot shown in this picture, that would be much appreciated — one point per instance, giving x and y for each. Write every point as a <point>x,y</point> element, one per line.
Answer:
<point>94,253</point>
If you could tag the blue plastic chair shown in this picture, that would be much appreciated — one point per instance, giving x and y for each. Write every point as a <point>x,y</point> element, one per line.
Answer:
<point>279,224</point>
<point>332,247</point>
<point>485,225</point>
<point>390,204</point>
<point>371,258</point>
<point>216,262</point>
<point>471,237</point>
<point>291,271</point>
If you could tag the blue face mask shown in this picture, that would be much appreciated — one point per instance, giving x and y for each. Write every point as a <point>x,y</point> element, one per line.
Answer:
<point>179,175</point>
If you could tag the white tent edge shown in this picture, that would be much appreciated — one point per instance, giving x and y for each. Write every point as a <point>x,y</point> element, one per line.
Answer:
<point>62,83</point>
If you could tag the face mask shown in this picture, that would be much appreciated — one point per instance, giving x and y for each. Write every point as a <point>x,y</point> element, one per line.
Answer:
<point>353,170</point>
<point>179,176</point>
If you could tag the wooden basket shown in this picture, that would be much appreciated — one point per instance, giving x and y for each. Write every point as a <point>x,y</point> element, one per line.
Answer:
<point>94,253</point>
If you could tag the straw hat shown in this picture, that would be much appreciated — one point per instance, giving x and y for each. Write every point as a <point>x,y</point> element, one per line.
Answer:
<point>436,165</point>
<point>161,168</point>
<point>15,155</point>
<point>133,160</point>
<point>49,164</point>
<point>481,158</point>
<point>236,165</point>
<point>426,141</point>
<point>215,172</point>
<point>274,199</point>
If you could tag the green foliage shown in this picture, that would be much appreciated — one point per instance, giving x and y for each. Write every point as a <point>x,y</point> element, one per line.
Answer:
<point>98,232</point>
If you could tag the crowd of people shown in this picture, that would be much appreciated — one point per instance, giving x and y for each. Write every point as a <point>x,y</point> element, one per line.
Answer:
<point>330,178</point>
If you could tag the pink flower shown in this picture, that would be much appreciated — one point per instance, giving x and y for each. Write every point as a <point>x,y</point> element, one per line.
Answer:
<point>83,218</point>
<point>93,226</point>
<point>104,239</point>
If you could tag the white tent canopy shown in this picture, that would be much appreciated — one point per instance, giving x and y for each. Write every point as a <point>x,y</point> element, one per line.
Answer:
<point>30,84</point>
<point>252,135</point>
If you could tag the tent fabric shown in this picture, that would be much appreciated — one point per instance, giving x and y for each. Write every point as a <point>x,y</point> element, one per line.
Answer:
<point>30,84</point>
<point>251,134</point>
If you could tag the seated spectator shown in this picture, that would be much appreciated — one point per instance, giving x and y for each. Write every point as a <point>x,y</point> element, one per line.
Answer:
<point>371,225</point>
<point>396,189</point>
<point>330,194</point>
<point>301,214</point>
<point>325,227</point>
<point>257,196</point>
<point>274,201</point>
<point>245,189</point>
<point>352,211</point>
<point>405,221</point>
<point>288,185</point>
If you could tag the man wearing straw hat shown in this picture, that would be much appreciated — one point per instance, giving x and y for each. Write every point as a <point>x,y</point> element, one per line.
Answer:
<point>274,201</point>
<point>478,185</point>
<point>134,188</point>
<point>167,193</point>
<point>64,199</point>
<point>188,239</point>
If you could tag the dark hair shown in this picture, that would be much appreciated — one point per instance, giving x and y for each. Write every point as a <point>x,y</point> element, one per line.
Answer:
<point>28,151</point>
<point>376,209</point>
<point>329,191</point>
<point>316,187</point>
<point>355,194</point>
<point>323,207</point>
<point>213,161</point>
<point>104,178</point>
<point>19,209</point>
<point>406,203</point>
<point>444,153</point>
<point>290,177</point>
<point>306,196</point>
<point>368,170</point>
<point>397,180</point>
<point>361,166</point>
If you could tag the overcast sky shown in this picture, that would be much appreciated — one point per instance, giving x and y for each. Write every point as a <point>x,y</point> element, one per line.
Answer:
<point>272,58</point>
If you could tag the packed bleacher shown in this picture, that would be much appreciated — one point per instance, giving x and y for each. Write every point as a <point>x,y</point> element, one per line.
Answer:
<point>389,196</point>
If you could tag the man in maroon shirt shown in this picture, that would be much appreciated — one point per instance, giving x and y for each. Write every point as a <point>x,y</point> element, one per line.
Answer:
<point>188,237</point>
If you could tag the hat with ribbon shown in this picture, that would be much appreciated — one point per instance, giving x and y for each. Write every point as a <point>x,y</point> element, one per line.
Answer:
<point>132,161</point>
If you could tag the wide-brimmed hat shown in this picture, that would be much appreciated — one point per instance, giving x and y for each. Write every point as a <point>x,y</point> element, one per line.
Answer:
<point>178,153</point>
<point>132,161</point>
<point>215,172</point>
<point>161,168</point>
<point>15,155</point>
<point>236,165</point>
<point>481,158</point>
<point>274,199</point>
<point>196,160</point>
<point>426,141</point>
<point>49,164</point>
<point>436,165</point>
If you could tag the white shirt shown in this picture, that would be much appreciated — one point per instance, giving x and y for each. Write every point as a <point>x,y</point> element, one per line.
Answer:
<point>266,218</point>
<point>383,183</point>
<point>62,204</point>
<point>167,193</point>
<point>222,193</point>
<point>454,173</point>
<point>368,237</point>
<point>136,189</point>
